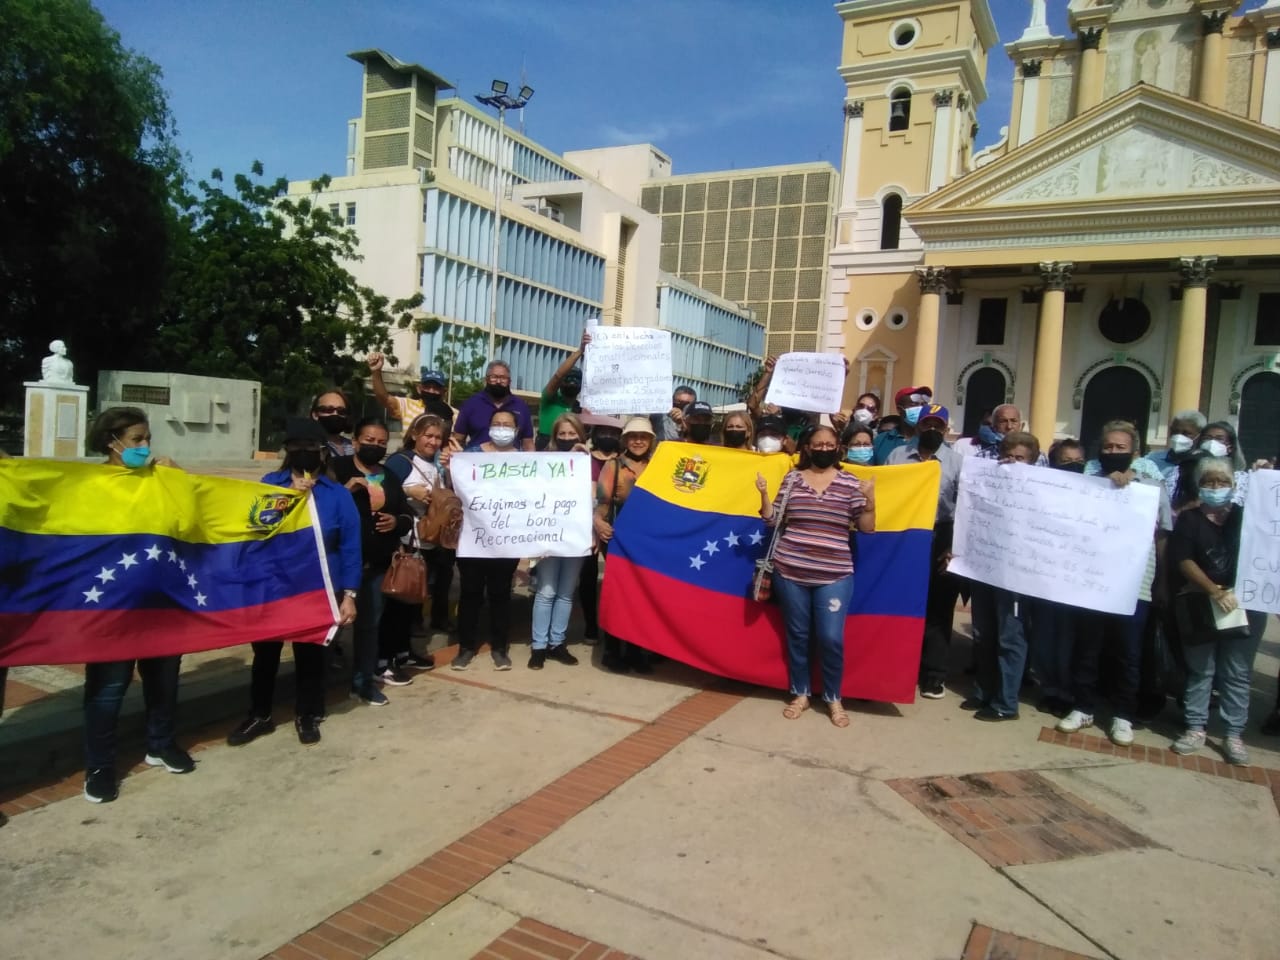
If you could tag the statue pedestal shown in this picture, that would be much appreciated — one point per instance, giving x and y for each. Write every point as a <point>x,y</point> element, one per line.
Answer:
<point>56,421</point>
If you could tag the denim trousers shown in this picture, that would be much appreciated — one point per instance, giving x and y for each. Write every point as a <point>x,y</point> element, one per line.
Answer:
<point>1054,627</point>
<point>485,581</point>
<point>814,617</point>
<point>364,639</point>
<point>105,685</point>
<point>1001,647</point>
<point>1227,664</point>
<point>1122,635</point>
<point>557,581</point>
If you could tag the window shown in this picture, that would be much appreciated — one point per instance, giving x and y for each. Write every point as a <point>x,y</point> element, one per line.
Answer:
<point>1267,331</point>
<point>890,222</point>
<point>904,34</point>
<point>900,109</point>
<point>896,320</point>
<point>335,211</point>
<point>991,316</point>
<point>865,320</point>
<point>351,214</point>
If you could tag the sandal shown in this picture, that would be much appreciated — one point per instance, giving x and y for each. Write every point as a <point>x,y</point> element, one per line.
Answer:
<point>838,717</point>
<point>796,707</point>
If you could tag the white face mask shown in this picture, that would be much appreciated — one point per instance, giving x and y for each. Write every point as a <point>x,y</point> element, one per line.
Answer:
<point>502,436</point>
<point>863,415</point>
<point>769,445</point>
<point>1179,443</point>
<point>1215,448</point>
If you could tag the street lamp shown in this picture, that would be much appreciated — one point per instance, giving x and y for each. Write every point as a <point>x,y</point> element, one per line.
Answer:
<point>502,102</point>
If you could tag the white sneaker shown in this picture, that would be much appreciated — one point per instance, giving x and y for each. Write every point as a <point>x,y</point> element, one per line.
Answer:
<point>1121,732</point>
<point>1075,720</point>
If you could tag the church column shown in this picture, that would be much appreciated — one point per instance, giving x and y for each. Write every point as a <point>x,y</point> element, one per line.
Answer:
<point>1213,87</point>
<point>933,283</point>
<point>1028,119</point>
<point>1089,80</point>
<point>1047,372</point>
<point>1188,364</point>
<point>1268,19</point>
<point>849,172</point>
<point>942,122</point>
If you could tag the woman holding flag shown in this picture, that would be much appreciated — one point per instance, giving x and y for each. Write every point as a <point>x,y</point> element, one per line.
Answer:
<point>815,507</point>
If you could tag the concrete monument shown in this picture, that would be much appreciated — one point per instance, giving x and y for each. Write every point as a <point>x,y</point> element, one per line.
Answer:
<point>56,409</point>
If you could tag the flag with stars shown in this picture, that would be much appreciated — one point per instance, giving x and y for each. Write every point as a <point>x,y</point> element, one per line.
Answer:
<point>105,563</point>
<point>679,568</point>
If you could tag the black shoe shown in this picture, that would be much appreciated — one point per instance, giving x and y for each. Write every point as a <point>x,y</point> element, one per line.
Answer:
<point>415,662</point>
<point>1271,725</point>
<point>308,730</point>
<point>173,758</point>
<point>993,716</point>
<point>100,785</point>
<point>561,654</point>
<point>1055,706</point>
<point>615,663</point>
<point>933,690</point>
<point>972,703</point>
<point>393,676</point>
<point>251,729</point>
<point>537,659</point>
<point>463,659</point>
<point>591,636</point>
<point>501,661</point>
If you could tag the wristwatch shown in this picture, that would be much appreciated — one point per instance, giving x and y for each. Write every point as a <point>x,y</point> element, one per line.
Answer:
<point>349,594</point>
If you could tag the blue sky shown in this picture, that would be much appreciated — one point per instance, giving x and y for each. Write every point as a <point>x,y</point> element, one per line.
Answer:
<point>714,83</point>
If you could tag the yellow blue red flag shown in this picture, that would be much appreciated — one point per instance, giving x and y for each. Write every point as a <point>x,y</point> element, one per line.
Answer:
<point>105,563</point>
<point>679,569</point>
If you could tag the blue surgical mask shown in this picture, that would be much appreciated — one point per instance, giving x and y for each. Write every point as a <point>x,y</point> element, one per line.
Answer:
<point>1215,496</point>
<point>912,415</point>
<point>135,457</point>
<point>859,454</point>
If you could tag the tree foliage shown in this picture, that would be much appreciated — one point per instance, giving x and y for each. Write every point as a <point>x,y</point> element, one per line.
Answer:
<point>748,386</point>
<point>87,158</point>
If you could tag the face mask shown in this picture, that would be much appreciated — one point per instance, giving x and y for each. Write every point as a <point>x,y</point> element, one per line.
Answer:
<point>570,390</point>
<point>769,445</point>
<point>502,436</point>
<point>564,446</point>
<point>370,454</point>
<point>822,459</point>
<point>499,391</point>
<point>863,415</point>
<point>333,423</point>
<point>988,437</point>
<point>930,440</point>
<point>135,457</point>
<point>1214,448</point>
<point>859,455</point>
<point>699,432</point>
<point>1075,466</point>
<point>438,407</point>
<point>912,415</point>
<point>1180,444</point>
<point>304,461</point>
<point>607,444</point>
<point>1115,462</point>
<point>1215,496</point>
<point>735,438</point>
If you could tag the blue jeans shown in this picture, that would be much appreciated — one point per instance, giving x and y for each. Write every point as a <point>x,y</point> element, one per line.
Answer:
<point>815,615</point>
<point>1123,635</point>
<point>552,604</point>
<point>1229,664</point>
<point>1002,647</point>
<point>364,638</point>
<point>105,685</point>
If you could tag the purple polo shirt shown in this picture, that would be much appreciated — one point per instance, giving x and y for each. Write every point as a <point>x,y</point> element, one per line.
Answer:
<point>478,409</point>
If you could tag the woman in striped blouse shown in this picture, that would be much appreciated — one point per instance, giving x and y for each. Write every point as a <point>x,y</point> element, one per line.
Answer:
<point>813,566</point>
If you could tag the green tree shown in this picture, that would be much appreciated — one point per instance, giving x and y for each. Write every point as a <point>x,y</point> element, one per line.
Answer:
<point>87,157</point>
<point>462,356</point>
<point>260,291</point>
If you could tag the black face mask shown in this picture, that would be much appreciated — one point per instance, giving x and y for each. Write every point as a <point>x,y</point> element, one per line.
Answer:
<point>499,391</point>
<point>438,407</point>
<point>1075,466</point>
<point>1114,462</point>
<point>930,440</point>
<point>699,432</point>
<point>370,454</point>
<point>564,446</point>
<point>822,459</point>
<point>607,444</point>
<point>570,390</point>
<point>304,461</point>
<point>333,423</point>
<point>735,438</point>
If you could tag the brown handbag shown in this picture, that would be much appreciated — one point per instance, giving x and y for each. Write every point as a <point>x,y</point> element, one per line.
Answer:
<point>406,578</point>
<point>442,523</point>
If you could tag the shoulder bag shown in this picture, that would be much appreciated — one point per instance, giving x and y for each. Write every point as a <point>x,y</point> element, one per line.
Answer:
<point>406,577</point>
<point>762,579</point>
<point>442,523</point>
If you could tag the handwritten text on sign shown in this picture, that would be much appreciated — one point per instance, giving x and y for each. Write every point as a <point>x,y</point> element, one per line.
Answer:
<point>1258,569</point>
<point>808,381</point>
<point>1054,535</point>
<point>627,370</point>
<point>523,504</point>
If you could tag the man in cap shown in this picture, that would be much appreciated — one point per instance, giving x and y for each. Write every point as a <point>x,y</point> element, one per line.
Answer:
<point>909,401</point>
<point>928,444</point>
<point>430,394</point>
<point>560,395</point>
<point>697,422</point>
<point>771,435</point>
<point>670,425</point>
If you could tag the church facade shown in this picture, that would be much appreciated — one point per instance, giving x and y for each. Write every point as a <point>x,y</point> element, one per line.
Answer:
<point>1115,254</point>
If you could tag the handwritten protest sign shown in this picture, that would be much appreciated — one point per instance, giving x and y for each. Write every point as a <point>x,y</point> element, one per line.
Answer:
<point>1258,568</point>
<point>523,504</point>
<point>1054,535</point>
<point>808,381</point>
<point>627,370</point>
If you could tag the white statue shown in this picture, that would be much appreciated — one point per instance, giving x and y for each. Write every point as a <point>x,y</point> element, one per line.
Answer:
<point>56,368</point>
<point>1039,16</point>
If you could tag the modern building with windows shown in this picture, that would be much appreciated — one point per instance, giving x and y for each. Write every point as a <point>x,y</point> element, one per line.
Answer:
<point>715,344</point>
<point>1116,251</point>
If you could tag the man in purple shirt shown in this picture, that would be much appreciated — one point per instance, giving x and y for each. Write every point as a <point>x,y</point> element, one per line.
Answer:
<point>472,424</point>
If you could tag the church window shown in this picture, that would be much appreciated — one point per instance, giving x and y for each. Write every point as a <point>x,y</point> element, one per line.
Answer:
<point>900,109</point>
<point>890,222</point>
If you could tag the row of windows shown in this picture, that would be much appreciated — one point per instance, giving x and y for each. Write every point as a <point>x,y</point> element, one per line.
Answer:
<point>528,165</point>
<point>765,190</point>
<point>679,311</point>
<point>785,253</point>
<point>710,370</point>
<point>761,223</point>
<point>335,211</point>
<point>541,314</point>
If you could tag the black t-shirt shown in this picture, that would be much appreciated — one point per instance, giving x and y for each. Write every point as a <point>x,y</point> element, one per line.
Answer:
<point>1212,547</point>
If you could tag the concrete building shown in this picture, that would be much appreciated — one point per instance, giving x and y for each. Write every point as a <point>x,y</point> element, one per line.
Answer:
<point>1115,253</point>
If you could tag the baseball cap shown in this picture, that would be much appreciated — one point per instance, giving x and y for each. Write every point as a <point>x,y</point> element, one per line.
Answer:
<point>433,376</point>
<point>903,397</point>
<point>699,408</point>
<point>935,410</point>
<point>772,423</point>
<point>638,425</point>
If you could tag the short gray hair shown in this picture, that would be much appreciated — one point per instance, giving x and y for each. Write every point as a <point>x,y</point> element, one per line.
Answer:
<point>1216,466</point>
<point>497,363</point>
<point>1189,416</point>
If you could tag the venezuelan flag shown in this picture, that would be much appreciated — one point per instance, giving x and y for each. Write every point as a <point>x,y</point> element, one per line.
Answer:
<point>678,574</point>
<point>106,563</point>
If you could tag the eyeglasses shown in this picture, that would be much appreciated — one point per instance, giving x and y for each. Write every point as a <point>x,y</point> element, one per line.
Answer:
<point>338,410</point>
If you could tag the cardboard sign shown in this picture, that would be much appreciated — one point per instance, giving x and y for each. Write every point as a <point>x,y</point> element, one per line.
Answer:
<point>813,382</point>
<point>1258,568</point>
<point>627,370</point>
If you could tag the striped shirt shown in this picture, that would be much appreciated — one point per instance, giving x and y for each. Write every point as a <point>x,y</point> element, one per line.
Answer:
<point>813,548</point>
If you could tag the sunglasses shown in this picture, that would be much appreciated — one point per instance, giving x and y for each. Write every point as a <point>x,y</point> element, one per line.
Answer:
<point>338,410</point>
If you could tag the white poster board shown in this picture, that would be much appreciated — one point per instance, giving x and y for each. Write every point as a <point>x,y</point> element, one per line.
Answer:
<point>627,370</point>
<point>1258,568</point>
<point>524,504</point>
<point>813,382</point>
<point>1054,535</point>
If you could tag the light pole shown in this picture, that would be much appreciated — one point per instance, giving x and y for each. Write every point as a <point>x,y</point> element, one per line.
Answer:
<point>502,102</point>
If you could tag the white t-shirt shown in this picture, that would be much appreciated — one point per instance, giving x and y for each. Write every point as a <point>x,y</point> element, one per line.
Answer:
<point>422,473</point>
